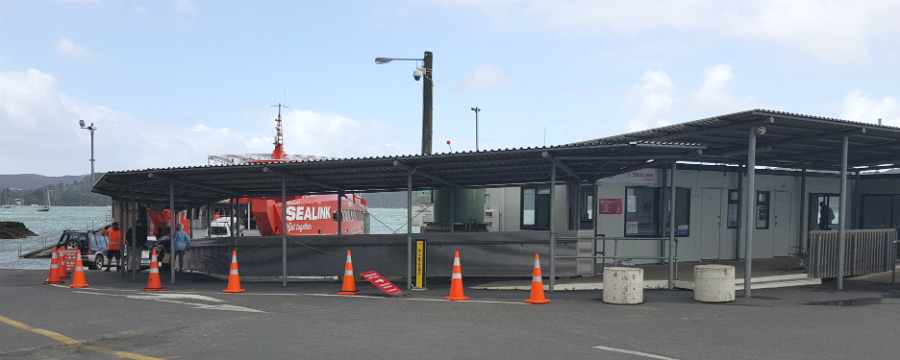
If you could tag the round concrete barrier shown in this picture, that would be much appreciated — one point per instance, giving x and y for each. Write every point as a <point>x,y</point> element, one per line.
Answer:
<point>714,283</point>
<point>623,285</point>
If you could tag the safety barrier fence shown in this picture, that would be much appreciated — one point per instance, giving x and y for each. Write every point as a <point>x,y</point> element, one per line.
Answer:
<point>50,237</point>
<point>599,250</point>
<point>865,252</point>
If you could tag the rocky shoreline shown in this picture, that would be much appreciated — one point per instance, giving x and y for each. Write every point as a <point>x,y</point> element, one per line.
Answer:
<point>14,230</point>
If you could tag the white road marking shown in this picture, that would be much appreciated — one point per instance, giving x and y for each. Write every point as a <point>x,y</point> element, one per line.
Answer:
<point>638,353</point>
<point>170,298</point>
<point>397,298</point>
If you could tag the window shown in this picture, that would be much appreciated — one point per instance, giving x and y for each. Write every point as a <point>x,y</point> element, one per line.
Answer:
<point>881,212</point>
<point>641,211</point>
<point>824,211</point>
<point>762,209</point>
<point>535,213</point>
<point>682,211</point>
<point>581,212</point>
<point>734,206</point>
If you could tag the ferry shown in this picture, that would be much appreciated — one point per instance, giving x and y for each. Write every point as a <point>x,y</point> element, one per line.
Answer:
<point>305,214</point>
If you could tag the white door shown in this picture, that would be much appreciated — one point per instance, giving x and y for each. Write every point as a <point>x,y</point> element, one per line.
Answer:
<point>711,223</point>
<point>781,229</point>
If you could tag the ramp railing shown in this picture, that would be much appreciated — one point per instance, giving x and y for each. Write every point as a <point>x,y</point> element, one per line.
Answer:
<point>866,251</point>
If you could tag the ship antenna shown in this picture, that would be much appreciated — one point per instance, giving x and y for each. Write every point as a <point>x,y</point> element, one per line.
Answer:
<point>278,153</point>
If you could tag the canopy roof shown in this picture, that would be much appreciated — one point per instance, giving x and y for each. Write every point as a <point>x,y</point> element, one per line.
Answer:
<point>789,140</point>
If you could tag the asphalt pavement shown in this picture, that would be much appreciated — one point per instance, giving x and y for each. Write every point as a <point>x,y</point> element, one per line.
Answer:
<point>193,319</point>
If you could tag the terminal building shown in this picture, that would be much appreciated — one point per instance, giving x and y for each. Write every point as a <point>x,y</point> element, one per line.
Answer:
<point>705,190</point>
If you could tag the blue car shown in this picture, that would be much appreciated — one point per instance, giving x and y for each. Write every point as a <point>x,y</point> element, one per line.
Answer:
<point>93,245</point>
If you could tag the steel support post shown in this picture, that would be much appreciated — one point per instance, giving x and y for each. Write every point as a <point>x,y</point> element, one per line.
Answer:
<point>750,206</point>
<point>842,225</point>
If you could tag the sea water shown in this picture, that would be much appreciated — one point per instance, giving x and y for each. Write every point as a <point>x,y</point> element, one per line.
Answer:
<point>49,226</point>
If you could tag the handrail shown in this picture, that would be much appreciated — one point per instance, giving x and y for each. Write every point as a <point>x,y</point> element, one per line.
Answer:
<point>615,251</point>
<point>896,261</point>
<point>38,242</point>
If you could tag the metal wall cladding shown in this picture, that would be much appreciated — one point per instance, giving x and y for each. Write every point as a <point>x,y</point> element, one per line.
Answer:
<point>865,252</point>
<point>501,254</point>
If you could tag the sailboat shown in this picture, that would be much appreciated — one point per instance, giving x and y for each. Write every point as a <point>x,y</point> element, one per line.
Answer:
<point>6,204</point>
<point>46,207</point>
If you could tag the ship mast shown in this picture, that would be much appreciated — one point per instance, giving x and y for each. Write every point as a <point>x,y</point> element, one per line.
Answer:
<point>278,153</point>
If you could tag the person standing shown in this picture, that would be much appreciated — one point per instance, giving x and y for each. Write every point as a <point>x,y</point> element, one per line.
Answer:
<point>139,230</point>
<point>826,216</point>
<point>114,249</point>
<point>182,243</point>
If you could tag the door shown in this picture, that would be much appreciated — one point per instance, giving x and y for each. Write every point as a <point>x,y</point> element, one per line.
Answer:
<point>711,223</point>
<point>781,228</point>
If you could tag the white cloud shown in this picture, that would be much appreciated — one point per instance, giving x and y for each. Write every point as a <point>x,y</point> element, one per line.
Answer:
<point>185,6</point>
<point>42,136</point>
<point>713,95</point>
<point>325,134</point>
<point>487,78</point>
<point>835,31</point>
<point>859,107</point>
<point>656,98</point>
<point>68,48</point>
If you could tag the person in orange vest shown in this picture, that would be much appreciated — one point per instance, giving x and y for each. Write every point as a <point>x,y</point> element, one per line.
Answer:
<point>216,216</point>
<point>114,249</point>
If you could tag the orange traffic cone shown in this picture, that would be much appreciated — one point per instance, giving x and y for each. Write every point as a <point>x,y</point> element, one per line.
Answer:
<point>537,286</point>
<point>153,283</point>
<point>234,280</point>
<point>78,276</point>
<point>456,286</point>
<point>63,273</point>
<point>54,270</point>
<point>349,282</point>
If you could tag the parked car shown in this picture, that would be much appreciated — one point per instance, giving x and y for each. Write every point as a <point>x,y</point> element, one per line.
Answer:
<point>146,254</point>
<point>93,245</point>
<point>221,227</point>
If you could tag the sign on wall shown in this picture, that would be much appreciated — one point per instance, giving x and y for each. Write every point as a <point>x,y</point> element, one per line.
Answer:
<point>646,176</point>
<point>610,206</point>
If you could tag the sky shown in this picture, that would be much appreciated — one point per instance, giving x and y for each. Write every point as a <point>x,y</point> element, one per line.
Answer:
<point>167,83</point>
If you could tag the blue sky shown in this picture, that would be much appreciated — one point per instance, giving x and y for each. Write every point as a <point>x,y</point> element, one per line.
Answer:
<point>169,82</point>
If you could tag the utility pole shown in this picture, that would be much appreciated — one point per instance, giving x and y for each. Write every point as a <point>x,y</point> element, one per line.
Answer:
<point>476,110</point>
<point>427,105</point>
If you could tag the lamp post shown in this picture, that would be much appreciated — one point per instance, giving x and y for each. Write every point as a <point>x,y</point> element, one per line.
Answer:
<point>91,128</point>
<point>427,87</point>
<point>476,110</point>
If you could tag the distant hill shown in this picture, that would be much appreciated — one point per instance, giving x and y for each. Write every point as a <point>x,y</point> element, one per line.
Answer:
<point>28,189</point>
<point>393,200</point>
<point>72,190</point>
<point>386,200</point>
<point>34,181</point>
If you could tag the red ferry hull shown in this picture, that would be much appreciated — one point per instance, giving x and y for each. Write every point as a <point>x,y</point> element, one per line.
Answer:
<point>310,215</point>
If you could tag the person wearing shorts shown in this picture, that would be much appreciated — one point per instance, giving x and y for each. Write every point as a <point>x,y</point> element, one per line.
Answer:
<point>114,249</point>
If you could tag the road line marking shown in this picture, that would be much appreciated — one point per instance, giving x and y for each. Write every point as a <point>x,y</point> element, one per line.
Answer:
<point>167,298</point>
<point>396,298</point>
<point>638,353</point>
<point>70,341</point>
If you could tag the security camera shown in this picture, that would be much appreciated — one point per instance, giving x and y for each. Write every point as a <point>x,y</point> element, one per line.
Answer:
<point>81,122</point>
<point>417,74</point>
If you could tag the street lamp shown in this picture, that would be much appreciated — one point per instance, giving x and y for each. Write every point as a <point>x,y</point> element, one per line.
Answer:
<point>476,110</point>
<point>427,87</point>
<point>91,128</point>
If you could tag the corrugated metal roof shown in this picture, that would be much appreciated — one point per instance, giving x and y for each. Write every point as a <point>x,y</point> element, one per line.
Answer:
<point>790,140</point>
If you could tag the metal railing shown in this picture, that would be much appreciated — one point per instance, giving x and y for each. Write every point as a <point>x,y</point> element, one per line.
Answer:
<point>50,237</point>
<point>603,255</point>
<point>865,252</point>
<point>896,261</point>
